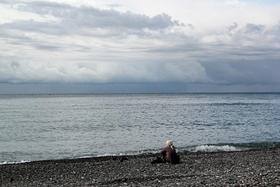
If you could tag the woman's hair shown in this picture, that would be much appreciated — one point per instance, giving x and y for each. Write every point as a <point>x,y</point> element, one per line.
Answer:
<point>169,143</point>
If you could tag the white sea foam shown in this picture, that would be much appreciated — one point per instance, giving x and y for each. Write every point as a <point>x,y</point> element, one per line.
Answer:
<point>9,162</point>
<point>215,148</point>
<point>106,154</point>
<point>129,153</point>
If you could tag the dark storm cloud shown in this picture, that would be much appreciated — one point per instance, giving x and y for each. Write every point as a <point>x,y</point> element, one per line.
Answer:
<point>90,17</point>
<point>253,28</point>
<point>36,26</point>
<point>252,57</point>
<point>80,21</point>
<point>245,72</point>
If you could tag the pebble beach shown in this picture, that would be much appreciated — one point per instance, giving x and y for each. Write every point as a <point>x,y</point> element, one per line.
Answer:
<point>253,168</point>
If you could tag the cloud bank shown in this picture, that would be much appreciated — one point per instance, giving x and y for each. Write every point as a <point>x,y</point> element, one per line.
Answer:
<point>83,42</point>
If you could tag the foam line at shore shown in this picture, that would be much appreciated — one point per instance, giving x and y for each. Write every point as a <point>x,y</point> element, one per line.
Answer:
<point>196,148</point>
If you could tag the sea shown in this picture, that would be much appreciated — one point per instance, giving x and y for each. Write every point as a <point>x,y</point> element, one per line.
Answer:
<point>44,127</point>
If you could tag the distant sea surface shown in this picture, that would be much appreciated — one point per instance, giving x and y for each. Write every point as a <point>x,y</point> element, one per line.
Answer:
<point>41,127</point>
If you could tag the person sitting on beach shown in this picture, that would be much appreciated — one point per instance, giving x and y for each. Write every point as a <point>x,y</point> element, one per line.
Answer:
<point>169,153</point>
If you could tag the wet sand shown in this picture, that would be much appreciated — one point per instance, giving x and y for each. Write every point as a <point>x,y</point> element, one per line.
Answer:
<point>255,167</point>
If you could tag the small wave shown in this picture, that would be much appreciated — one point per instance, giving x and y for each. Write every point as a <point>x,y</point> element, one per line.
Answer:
<point>215,148</point>
<point>236,103</point>
<point>146,151</point>
<point>107,154</point>
<point>10,162</point>
<point>233,147</point>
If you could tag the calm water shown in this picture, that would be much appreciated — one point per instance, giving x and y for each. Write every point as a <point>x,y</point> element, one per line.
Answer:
<point>39,127</point>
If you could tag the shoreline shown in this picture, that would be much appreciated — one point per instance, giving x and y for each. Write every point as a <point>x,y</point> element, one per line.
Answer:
<point>207,148</point>
<point>252,167</point>
<point>119,156</point>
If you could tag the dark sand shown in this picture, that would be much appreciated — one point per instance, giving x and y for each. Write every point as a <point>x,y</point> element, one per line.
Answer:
<point>258,167</point>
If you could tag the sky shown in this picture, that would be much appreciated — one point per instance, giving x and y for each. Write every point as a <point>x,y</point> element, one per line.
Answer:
<point>95,46</point>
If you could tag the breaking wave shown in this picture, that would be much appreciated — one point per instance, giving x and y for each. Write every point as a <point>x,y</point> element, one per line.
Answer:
<point>215,148</point>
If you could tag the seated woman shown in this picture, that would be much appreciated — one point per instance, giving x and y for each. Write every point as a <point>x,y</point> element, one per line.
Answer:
<point>169,153</point>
